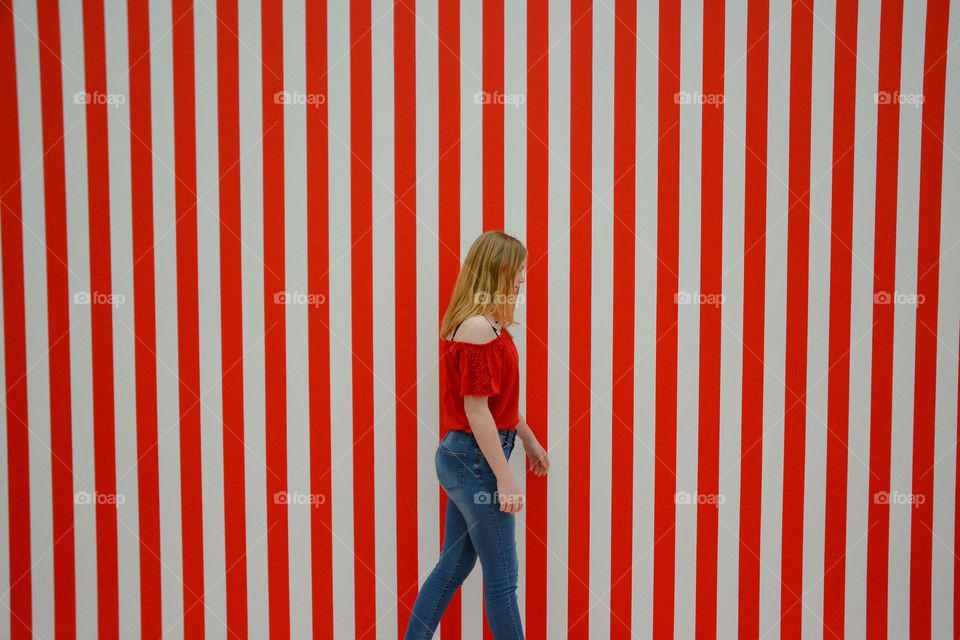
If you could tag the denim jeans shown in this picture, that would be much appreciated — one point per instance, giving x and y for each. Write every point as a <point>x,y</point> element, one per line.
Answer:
<point>475,527</point>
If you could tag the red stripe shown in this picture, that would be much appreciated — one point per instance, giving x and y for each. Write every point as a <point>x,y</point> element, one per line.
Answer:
<point>449,223</point>
<point>318,319</point>
<point>493,87</point>
<point>881,381</point>
<point>798,257</point>
<point>275,341</point>
<point>405,342</point>
<point>624,297</point>
<point>188,321</point>
<point>14,342</point>
<point>145,314</point>
<point>754,287</point>
<point>668,249</point>
<point>581,241</point>
<point>58,314</point>
<point>538,216</point>
<point>711,285</point>
<point>361,256</point>
<point>838,392</point>
<point>108,617</point>
<point>925,354</point>
<point>231,321</point>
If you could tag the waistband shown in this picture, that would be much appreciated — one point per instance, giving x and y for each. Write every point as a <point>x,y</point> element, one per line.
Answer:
<point>507,436</point>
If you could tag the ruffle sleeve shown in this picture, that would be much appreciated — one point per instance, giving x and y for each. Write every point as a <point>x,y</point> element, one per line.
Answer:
<point>480,366</point>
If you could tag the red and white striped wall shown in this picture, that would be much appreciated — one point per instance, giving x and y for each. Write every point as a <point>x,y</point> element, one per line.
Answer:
<point>229,230</point>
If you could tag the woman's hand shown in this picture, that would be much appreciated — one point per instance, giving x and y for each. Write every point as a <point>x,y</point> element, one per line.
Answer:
<point>539,461</point>
<point>509,495</point>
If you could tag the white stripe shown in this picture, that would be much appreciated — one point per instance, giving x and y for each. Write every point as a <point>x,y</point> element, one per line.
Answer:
<point>945,449</point>
<point>818,316</point>
<point>471,219</point>
<point>208,273</point>
<point>75,152</point>
<point>428,250</point>
<point>775,396</point>
<point>341,239</point>
<point>731,345</point>
<point>168,400</point>
<point>861,320</point>
<point>515,223</point>
<point>297,352</point>
<point>904,335</point>
<point>35,308</point>
<point>251,195</point>
<point>124,343</point>
<point>645,272</point>
<point>558,372</point>
<point>688,319</point>
<point>601,377</point>
<point>5,608</point>
<point>385,305</point>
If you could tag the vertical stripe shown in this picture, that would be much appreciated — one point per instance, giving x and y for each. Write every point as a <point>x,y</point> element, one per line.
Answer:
<point>580,239</point>
<point>361,301</point>
<point>537,297</point>
<point>188,338</point>
<point>58,312</point>
<point>300,502</point>
<point>891,25</point>
<point>711,292</point>
<point>101,318</point>
<point>646,273</point>
<point>318,319</point>
<point>754,288</point>
<point>405,318</point>
<point>231,318</point>
<point>687,301</point>
<point>385,306</point>
<point>35,317</point>
<point>274,318</point>
<point>928,278</point>
<point>838,374</point>
<point>144,310</point>
<point>448,224</point>
<point>668,242</point>
<point>493,99</point>
<point>624,317</point>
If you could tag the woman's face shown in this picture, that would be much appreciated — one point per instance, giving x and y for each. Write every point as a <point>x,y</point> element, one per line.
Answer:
<point>521,277</point>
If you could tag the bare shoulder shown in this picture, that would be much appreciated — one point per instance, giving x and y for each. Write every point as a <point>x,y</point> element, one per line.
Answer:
<point>475,330</point>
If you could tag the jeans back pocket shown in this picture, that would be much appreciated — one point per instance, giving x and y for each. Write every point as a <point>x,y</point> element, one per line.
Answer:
<point>451,468</point>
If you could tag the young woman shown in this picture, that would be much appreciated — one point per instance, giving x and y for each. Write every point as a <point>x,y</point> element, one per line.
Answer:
<point>479,411</point>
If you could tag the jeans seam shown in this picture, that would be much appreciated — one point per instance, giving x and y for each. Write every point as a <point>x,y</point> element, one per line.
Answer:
<point>506,572</point>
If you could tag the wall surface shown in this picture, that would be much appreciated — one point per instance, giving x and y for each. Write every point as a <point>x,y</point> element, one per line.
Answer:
<point>229,230</point>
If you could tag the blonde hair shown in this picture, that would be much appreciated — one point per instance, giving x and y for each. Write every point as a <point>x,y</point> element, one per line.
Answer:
<point>485,283</point>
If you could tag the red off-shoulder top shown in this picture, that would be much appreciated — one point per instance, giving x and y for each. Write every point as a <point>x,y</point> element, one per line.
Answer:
<point>491,369</point>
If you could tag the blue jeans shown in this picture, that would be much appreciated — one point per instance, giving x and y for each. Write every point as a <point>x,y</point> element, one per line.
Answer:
<point>475,527</point>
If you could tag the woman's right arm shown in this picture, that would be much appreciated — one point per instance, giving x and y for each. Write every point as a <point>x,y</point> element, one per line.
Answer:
<point>485,431</point>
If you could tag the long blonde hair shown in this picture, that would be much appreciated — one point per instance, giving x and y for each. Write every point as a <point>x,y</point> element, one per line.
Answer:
<point>485,283</point>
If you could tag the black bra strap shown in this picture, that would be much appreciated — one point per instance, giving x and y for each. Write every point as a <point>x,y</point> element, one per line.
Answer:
<point>488,320</point>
